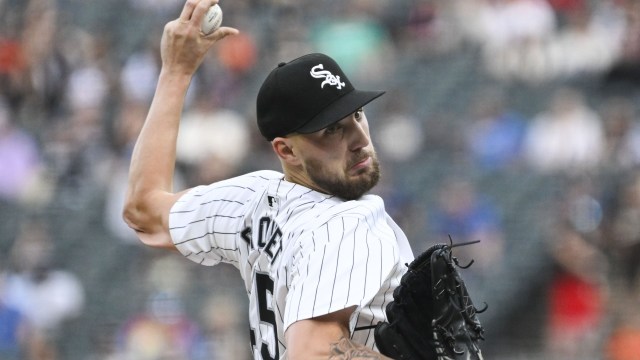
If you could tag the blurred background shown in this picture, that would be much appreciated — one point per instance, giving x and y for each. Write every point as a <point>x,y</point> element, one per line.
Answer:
<point>514,122</point>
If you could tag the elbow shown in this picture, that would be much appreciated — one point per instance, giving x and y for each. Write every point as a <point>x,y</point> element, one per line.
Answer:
<point>129,208</point>
<point>128,215</point>
<point>131,214</point>
<point>148,224</point>
<point>134,216</point>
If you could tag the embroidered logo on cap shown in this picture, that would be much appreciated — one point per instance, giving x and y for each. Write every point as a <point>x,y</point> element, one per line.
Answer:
<point>318,72</point>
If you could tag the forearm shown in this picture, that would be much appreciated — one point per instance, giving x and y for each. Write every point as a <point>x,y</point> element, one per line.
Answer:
<point>326,337</point>
<point>347,349</point>
<point>153,160</point>
<point>154,154</point>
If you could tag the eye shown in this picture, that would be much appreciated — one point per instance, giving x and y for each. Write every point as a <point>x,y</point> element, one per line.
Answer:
<point>332,129</point>
<point>358,114</point>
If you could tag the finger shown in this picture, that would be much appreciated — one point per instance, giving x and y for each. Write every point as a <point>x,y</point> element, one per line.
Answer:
<point>201,9</point>
<point>187,10</point>
<point>222,32</point>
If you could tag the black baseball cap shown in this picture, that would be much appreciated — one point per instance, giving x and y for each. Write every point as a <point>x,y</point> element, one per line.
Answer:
<point>305,95</point>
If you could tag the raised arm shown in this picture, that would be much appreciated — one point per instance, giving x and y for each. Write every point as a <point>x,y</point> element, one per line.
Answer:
<point>150,193</point>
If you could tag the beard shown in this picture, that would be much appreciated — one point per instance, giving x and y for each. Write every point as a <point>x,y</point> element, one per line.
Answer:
<point>343,186</point>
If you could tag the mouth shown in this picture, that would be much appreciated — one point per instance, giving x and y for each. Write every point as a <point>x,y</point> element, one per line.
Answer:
<point>361,165</point>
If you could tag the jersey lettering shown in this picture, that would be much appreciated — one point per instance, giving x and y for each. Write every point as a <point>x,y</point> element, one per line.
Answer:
<point>264,289</point>
<point>246,235</point>
<point>269,237</point>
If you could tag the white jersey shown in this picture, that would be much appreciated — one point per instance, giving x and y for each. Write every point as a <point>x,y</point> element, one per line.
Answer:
<point>301,253</point>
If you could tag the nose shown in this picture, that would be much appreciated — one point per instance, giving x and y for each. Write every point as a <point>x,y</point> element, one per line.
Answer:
<point>358,135</point>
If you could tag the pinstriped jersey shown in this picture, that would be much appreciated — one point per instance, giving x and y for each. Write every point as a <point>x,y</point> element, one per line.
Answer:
<point>301,253</point>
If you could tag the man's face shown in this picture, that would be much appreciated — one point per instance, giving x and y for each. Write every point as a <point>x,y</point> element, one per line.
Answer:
<point>340,159</point>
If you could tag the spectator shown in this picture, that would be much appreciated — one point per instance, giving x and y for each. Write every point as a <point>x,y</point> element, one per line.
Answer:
<point>505,23</point>
<point>577,292</point>
<point>575,298</point>
<point>523,39</point>
<point>20,160</point>
<point>353,35</point>
<point>425,28</point>
<point>625,70</point>
<point>400,126</point>
<point>163,329</point>
<point>623,242</point>
<point>205,138</point>
<point>76,144</point>
<point>511,33</point>
<point>564,8</point>
<point>495,134</point>
<point>589,42</point>
<point>623,343</point>
<point>139,73</point>
<point>14,329</point>
<point>466,215</point>
<point>47,296</point>
<point>40,85</point>
<point>225,328</point>
<point>565,138</point>
<point>622,134</point>
<point>75,150</point>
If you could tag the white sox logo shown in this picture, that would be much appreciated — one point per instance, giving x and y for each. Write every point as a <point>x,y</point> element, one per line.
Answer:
<point>329,78</point>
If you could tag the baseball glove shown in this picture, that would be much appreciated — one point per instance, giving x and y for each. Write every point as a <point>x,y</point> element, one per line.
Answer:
<point>432,316</point>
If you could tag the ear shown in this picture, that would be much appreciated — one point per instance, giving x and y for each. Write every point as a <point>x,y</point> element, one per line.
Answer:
<point>283,147</point>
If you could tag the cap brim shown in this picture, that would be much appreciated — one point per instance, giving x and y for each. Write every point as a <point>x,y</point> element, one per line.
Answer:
<point>339,109</point>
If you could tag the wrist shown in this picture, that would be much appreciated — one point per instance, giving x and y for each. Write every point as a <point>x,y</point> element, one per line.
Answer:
<point>174,79</point>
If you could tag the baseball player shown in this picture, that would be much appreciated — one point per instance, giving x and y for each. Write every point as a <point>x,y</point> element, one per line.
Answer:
<point>319,257</point>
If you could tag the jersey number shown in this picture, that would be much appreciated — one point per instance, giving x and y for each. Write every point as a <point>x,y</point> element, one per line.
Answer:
<point>264,285</point>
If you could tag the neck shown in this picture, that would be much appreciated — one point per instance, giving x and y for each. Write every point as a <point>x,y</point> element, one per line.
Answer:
<point>300,179</point>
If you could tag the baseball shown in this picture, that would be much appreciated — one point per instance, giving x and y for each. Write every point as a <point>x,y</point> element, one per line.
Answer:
<point>212,20</point>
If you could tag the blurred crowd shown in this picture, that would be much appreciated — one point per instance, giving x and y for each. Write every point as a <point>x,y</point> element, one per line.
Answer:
<point>513,122</point>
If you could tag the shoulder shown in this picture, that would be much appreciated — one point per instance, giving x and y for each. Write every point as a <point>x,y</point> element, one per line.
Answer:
<point>232,195</point>
<point>256,177</point>
<point>252,182</point>
<point>264,175</point>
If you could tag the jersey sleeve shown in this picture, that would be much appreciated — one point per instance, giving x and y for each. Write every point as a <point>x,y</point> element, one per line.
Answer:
<point>341,264</point>
<point>206,222</point>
